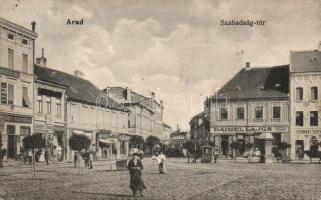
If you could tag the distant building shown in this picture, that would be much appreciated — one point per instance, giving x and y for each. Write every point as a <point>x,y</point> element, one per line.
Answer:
<point>16,85</point>
<point>252,108</point>
<point>178,138</point>
<point>305,84</point>
<point>146,114</point>
<point>88,111</point>
<point>200,127</point>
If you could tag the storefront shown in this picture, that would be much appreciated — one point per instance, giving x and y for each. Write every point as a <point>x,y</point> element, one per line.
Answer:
<point>13,128</point>
<point>305,138</point>
<point>247,138</point>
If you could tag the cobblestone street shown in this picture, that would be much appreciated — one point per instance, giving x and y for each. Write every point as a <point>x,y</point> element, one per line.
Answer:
<point>225,180</point>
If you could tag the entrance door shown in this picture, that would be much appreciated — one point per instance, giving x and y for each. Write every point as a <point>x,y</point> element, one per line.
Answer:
<point>260,144</point>
<point>12,144</point>
<point>299,149</point>
<point>224,145</point>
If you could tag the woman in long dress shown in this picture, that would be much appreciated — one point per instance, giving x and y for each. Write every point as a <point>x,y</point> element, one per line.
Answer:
<point>135,168</point>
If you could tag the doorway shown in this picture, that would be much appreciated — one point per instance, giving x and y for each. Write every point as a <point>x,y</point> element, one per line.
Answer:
<point>224,145</point>
<point>12,142</point>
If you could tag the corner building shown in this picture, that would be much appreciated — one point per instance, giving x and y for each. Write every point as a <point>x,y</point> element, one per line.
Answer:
<point>251,109</point>
<point>305,84</point>
<point>16,85</point>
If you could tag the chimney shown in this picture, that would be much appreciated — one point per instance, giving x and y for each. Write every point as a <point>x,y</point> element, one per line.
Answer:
<point>152,100</point>
<point>79,74</point>
<point>248,65</point>
<point>42,61</point>
<point>33,26</point>
<point>128,94</point>
<point>319,46</point>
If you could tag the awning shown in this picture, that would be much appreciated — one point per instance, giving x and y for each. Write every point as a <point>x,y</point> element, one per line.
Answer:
<point>78,132</point>
<point>107,141</point>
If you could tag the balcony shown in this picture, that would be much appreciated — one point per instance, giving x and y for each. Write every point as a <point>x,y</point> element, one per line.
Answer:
<point>9,72</point>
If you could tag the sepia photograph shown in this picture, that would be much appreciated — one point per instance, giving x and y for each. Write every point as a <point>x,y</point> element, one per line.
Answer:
<point>160,99</point>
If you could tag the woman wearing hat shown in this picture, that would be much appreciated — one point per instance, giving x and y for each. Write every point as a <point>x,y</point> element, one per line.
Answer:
<point>135,168</point>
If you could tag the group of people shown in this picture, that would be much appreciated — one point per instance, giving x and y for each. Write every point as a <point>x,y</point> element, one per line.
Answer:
<point>135,167</point>
<point>87,157</point>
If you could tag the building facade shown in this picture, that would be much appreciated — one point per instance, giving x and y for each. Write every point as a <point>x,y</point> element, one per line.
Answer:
<point>252,110</point>
<point>305,83</point>
<point>88,111</point>
<point>146,114</point>
<point>17,83</point>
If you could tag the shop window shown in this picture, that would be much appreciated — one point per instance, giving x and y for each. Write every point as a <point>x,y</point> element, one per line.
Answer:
<point>10,58</point>
<point>299,118</point>
<point>240,113</point>
<point>299,94</point>
<point>25,63</point>
<point>25,98</point>
<point>314,118</point>
<point>314,93</point>
<point>259,112</point>
<point>276,112</point>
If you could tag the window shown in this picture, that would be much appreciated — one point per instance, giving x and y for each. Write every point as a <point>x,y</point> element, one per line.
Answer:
<point>223,114</point>
<point>276,112</point>
<point>240,112</point>
<point>10,94</point>
<point>40,104</point>
<point>259,112</point>
<point>25,41</point>
<point>48,102</point>
<point>4,93</point>
<point>24,131</point>
<point>25,63</point>
<point>25,98</point>
<point>10,36</point>
<point>299,118</point>
<point>314,93</point>
<point>58,100</point>
<point>299,94</point>
<point>10,58</point>
<point>314,118</point>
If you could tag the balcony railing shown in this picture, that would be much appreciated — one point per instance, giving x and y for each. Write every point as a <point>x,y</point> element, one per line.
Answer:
<point>9,72</point>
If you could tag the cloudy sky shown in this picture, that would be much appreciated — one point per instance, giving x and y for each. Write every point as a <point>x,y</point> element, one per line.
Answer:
<point>176,48</point>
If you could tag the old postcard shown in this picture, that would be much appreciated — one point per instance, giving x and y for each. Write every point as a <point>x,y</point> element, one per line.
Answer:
<point>160,99</point>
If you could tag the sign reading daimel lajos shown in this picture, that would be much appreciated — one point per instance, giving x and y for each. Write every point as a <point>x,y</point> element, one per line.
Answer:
<point>248,129</point>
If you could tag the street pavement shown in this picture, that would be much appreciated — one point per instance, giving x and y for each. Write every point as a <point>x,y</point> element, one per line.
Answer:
<point>224,180</point>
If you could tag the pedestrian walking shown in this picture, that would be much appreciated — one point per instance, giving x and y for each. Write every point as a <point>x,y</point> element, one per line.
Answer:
<point>2,153</point>
<point>47,157</point>
<point>91,159</point>
<point>135,168</point>
<point>75,159</point>
<point>215,154</point>
<point>30,157</point>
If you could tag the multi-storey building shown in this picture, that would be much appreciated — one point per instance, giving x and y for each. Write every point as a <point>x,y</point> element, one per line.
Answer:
<point>305,84</point>
<point>251,108</point>
<point>16,85</point>
<point>167,130</point>
<point>146,116</point>
<point>90,112</point>
<point>49,113</point>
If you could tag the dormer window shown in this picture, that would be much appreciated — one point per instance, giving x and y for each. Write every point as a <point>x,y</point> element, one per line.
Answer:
<point>10,36</point>
<point>24,41</point>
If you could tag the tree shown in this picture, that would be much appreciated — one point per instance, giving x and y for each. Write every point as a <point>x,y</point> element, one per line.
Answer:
<point>30,143</point>
<point>136,141</point>
<point>151,141</point>
<point>79,142</point>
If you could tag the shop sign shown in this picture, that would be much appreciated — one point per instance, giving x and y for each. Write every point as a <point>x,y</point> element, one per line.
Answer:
<point>248,129</point>
<point>308,131</point>
<point>125,138</point>
<point>59,129</point>
<point>16,119</point>
<point>104,134</point>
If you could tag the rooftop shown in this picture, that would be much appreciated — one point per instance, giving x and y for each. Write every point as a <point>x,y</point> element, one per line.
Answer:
<point>305,61</point>
<point>77,89</point>
<point>257,83</point>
